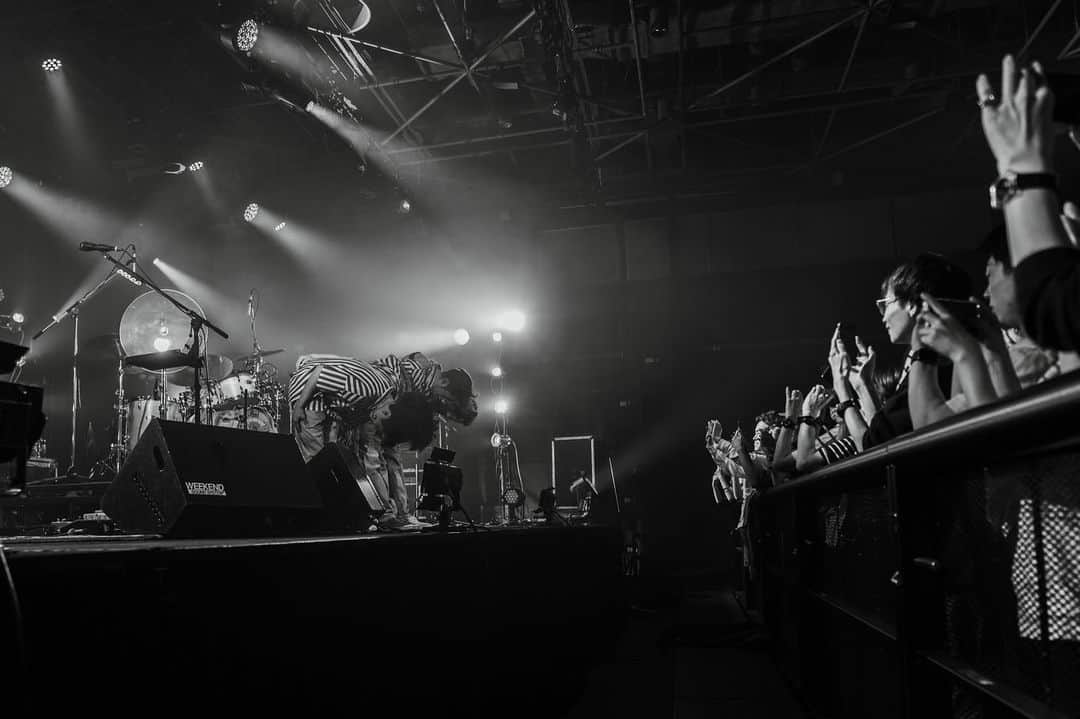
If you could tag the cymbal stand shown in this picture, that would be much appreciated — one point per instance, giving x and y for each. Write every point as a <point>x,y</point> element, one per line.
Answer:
<point>73,312</point>
<point>256,351</point>
<point>118,451</point>
<point>162,384</point>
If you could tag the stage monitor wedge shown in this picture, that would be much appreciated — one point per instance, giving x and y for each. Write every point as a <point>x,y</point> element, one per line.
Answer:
<point>189,480</point>
<point>351,499</point>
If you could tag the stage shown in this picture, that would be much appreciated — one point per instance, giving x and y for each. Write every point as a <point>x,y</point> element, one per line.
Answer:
<point>490,621</point>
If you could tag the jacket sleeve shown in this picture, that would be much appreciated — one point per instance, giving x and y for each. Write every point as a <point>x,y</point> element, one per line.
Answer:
<point>1048,290</point>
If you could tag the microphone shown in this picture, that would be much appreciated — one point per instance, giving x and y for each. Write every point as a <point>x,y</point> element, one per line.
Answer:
<point>97,247</point>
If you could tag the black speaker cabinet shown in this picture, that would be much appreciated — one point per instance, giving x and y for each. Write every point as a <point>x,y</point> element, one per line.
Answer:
<point>189,480</point>
<point>350,498</point>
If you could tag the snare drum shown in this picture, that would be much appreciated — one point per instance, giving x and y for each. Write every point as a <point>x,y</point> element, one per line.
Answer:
<point>142,410</point>
<point>258,419</point>
<point>231,390</point>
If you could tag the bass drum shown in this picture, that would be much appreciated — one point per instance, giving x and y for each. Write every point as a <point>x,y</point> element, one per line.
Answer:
<point>258,419</point>
<point>142,410</point>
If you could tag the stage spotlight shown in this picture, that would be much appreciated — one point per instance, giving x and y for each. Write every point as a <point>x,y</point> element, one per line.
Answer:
<point>251,212</point>
<point>51,64</point>
<point>357,13</point>
<point>18,318</point>
<point>157,262</point>
<point>496,371</point>
<point>514,320</point>
<point>404,206</point>
<point>6,176</point>
<point>196,166</point>
<point>500,441</point>
<point>501,406</point>
<point>279,226</point>
<point>161,344</point>
<point>246,36</point>
<point>496,337</point>
<point>512,496</point>
<point>461,336</point>
<point>658,20</point>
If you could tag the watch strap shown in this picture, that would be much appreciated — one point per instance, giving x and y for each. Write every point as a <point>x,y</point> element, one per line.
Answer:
<point>924,354</point>
<point>1011,184</point>
<point>1033,180</point>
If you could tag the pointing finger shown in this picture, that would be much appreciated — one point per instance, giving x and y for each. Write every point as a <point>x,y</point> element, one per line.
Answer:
<point>1008,79</point>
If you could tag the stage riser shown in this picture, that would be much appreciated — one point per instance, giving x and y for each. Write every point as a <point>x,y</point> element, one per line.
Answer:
<point>325,623</point>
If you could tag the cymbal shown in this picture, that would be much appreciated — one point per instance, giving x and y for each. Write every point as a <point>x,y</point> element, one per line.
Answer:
<point>157,361</point>
<point>151,325</point>
<point>218,367</point>
<point>259,354</point>
<point>102,347</point>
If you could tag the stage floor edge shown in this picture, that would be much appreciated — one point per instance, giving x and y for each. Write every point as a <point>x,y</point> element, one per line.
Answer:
<point>462,620</point>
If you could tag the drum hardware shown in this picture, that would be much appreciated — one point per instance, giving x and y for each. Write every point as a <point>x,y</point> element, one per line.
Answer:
<point>72,311</point>
<point>258,355</point>
<point>153,322</point>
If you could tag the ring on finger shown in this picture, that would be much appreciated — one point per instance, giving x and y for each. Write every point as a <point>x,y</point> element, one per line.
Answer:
<point>989,101</point>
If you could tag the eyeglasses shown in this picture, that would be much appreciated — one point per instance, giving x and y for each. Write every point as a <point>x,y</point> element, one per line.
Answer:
<point>884,303</point>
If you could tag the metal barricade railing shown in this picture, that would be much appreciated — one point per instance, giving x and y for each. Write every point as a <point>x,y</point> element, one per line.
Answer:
<point>938,575</point>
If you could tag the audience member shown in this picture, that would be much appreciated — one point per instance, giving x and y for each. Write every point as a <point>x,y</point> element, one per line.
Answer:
<point>1031,363</point>
<point>899,305</point>
<point>1018,126</point>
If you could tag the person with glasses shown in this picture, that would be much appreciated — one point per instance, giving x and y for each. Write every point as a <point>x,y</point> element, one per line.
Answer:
<point>899,305</point>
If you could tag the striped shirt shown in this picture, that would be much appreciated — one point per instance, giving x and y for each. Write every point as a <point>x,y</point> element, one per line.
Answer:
<point>836,449</point>
<point>348,383</point>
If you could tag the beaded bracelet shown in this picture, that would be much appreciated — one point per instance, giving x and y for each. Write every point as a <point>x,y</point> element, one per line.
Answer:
<point>787,423</point>
<point>808,419</point>
<point>843,406</point>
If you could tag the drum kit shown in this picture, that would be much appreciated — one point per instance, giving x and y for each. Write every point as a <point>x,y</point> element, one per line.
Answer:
<point>241,393</point>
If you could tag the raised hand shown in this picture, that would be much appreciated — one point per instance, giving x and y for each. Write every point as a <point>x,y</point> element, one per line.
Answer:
<point>942,332</point>
<point>815,401</point>
<point>792,402</point>
<point>1019,124</point>
<point>838,357</point>
<point>737,439</point>
<point>863,370</point>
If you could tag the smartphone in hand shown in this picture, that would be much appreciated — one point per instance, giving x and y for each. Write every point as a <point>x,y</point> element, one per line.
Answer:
<point>967,312</point>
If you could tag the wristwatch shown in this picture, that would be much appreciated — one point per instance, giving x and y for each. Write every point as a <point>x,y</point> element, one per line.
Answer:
<point>1011,184</point>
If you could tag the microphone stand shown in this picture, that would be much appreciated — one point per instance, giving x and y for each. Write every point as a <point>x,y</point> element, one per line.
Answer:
<point>73,312</point>
<point>197,323</point>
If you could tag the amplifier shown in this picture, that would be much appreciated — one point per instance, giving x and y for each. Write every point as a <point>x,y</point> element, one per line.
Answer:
<point>189,480</point>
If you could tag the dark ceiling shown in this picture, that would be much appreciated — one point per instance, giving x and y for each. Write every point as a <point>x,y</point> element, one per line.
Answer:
<point>735,96</point>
